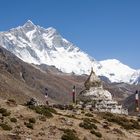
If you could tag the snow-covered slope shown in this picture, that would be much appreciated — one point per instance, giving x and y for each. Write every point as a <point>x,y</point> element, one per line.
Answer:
<point>34,44</point>
<point>135,78</point>
<point>116,71</point>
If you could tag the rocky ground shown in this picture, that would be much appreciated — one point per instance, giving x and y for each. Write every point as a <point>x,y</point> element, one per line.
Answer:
<point>19,122</point>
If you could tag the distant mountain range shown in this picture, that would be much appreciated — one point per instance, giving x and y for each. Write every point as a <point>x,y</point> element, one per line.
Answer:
<point>21,81</point>
<point>37,45</point>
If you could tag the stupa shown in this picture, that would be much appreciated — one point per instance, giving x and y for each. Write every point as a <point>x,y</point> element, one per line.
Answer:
<point>97,98</point>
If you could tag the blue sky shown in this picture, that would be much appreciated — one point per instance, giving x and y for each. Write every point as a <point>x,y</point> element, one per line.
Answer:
<point>105,29</point>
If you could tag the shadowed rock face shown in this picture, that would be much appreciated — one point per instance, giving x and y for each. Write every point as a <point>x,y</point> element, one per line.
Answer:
<point>22,81</point>
<point>130,103</point>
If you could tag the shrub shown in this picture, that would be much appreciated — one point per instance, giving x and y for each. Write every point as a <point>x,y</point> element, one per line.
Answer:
<point>13,120</point>
<point>11,102</point>
<point>88,115</point>
<point>87,124</point>
<point>86,120</point>
<point>2,118</point>
<point>90,120</point>
<point>82,112</point>
<point>69,134</point>
<point>98,134</point>
<point>122,121</point>
<point>32,120</point>
<point>94,120</point>
<point>50,109</point>
<point>43,110</point>
<point>29,125</point>
<point>59,106</point>
<point>135,124</point>
<point>70,107</point>
<point>18,126</point>
<point>4,112</point>
<point>118,131</point>
<point>31,106</point>
<point>109,114</point>
<point>31,102</point>
<point>6,127</point>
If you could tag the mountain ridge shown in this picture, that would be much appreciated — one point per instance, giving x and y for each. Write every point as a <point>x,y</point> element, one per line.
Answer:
<point>21,81</point>
<point>37,45</point>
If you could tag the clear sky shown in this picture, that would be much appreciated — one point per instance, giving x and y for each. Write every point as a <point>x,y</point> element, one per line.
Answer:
<point>105,29</point>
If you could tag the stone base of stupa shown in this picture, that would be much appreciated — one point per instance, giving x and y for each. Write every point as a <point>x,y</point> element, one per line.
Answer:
<point>96,98</point>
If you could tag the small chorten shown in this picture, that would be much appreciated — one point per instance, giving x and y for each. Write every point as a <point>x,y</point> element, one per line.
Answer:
<point>92,81</point>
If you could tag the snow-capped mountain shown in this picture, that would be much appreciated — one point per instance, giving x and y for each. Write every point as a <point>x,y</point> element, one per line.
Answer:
<point>116,71</point>
<point>34,44</point>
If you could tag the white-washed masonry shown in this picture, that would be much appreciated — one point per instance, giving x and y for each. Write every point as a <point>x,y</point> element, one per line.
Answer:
<point>97,98</point>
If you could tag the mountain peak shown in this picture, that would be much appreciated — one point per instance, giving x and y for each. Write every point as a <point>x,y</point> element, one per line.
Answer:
<point>51,29</point>
<point>111,61</point>
<point>29,24</point>
<point>35,44</point>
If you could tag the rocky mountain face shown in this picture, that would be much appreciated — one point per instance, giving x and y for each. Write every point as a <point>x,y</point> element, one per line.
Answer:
<point>37,45</point>
<point>21,81</point>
